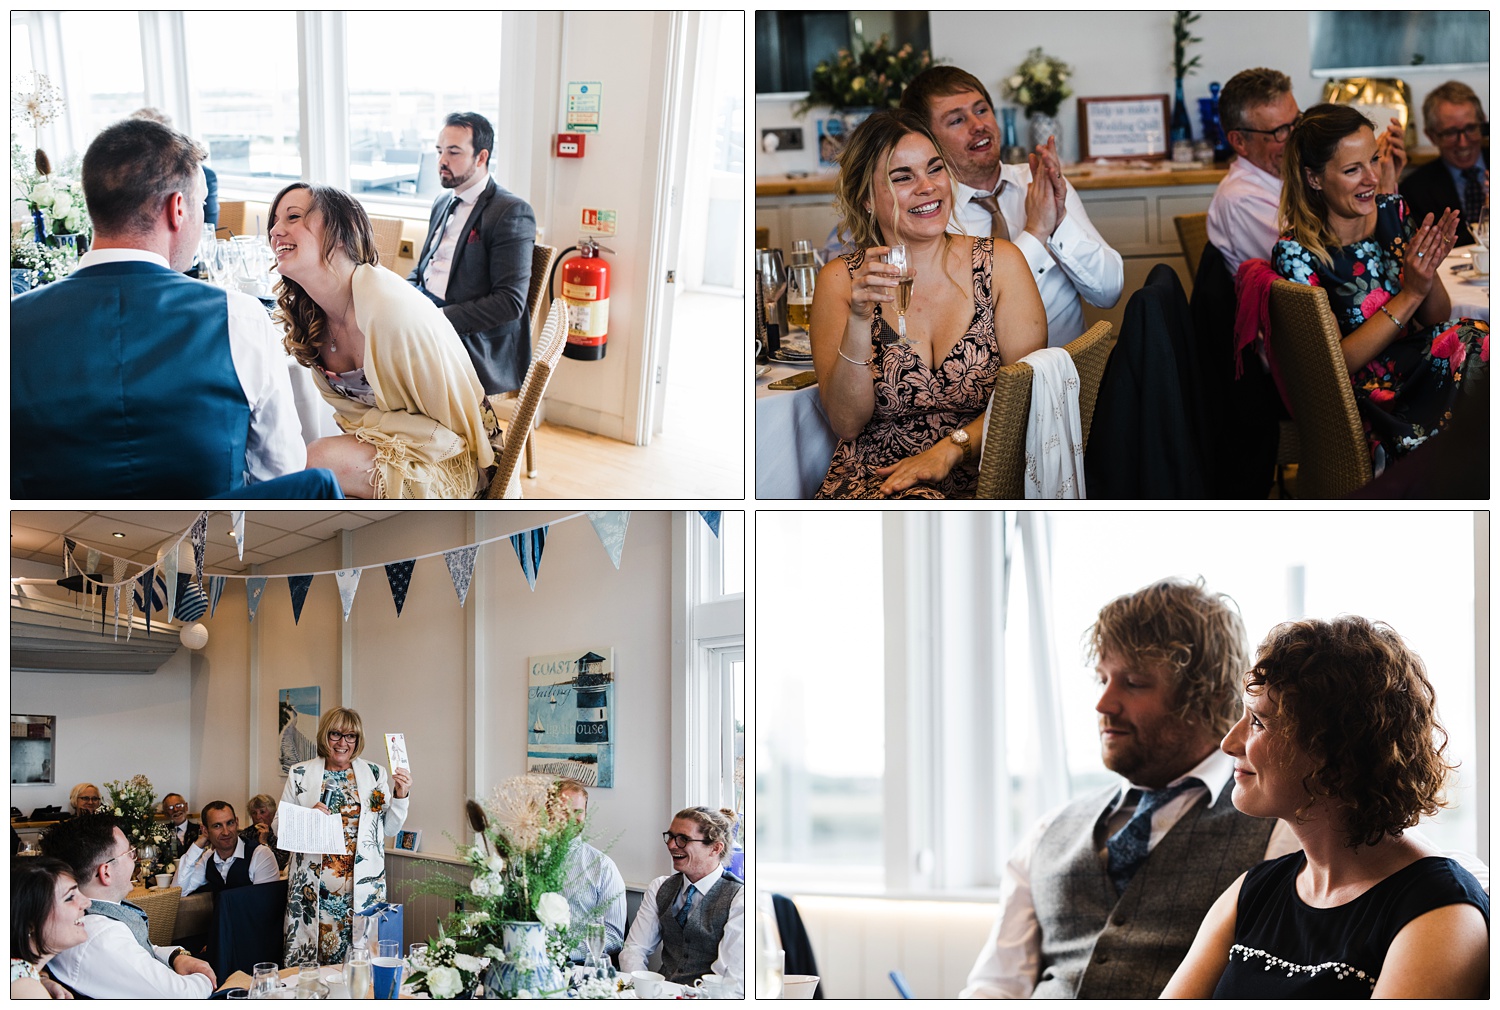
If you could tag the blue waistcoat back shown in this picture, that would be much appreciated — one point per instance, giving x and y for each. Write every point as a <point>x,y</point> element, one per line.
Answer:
<point>122,386</point>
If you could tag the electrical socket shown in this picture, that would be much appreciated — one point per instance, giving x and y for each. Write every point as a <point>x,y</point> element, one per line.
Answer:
<point>787,139</point>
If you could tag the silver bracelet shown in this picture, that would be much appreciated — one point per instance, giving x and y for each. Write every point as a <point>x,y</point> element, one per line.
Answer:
<point>854,361</point>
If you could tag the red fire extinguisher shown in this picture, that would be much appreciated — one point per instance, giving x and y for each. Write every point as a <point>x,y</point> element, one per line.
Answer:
<point>585,290</point>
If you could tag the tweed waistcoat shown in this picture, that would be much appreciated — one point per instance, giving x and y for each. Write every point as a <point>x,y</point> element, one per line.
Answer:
<point>123,386</point>
<point>133,918</point>
<point>688,952</point>
<point>239,870</point>
<point>1097,945</point>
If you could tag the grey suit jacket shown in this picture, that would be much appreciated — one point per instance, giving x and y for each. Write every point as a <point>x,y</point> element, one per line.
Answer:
<point>488,283</point>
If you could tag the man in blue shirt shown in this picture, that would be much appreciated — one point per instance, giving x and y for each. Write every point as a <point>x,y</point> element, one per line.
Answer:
<point>1453,120</point>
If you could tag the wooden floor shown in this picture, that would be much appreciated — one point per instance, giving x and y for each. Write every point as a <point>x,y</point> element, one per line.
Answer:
<point>576,464</point>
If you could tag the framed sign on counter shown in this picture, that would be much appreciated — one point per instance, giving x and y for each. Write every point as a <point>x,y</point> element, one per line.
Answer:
<point>1126,126</point>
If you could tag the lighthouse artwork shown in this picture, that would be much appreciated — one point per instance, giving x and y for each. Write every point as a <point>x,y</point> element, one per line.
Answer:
<point>570,716</point>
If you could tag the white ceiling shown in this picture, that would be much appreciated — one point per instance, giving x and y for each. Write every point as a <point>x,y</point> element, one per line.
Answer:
<point>269,534</point>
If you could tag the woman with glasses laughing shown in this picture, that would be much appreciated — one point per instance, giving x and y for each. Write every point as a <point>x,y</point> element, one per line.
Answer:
<point>324,891</point>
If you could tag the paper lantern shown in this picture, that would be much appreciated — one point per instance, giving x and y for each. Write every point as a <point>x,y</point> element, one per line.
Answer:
<point>194,636</point>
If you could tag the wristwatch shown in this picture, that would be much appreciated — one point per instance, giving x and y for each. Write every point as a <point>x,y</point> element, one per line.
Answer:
<point>960,438</point>
<point>172,960</point>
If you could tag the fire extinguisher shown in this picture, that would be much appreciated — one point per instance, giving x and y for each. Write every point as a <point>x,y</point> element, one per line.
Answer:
<point>585,291</point>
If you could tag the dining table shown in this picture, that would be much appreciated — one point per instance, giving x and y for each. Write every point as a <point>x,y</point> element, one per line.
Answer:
<point>793,441</point>
<point>1469,292</point>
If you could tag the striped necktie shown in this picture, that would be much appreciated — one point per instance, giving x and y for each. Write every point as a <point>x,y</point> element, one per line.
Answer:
<point>1129,846</point>
<point>991,203</point>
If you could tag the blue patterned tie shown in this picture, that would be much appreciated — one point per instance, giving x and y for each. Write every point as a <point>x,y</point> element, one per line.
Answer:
<point>687,906</point>
<point>1129,846</point>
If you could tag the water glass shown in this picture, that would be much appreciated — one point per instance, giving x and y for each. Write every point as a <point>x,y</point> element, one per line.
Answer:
<point>237,994</point>
<point>266,979</point>
<point>418,955</point>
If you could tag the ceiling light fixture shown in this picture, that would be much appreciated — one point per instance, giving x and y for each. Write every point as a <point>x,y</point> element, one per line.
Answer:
<point>118,536</point>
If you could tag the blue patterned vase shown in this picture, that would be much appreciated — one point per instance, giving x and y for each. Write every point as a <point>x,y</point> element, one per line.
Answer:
<point>526,965</point>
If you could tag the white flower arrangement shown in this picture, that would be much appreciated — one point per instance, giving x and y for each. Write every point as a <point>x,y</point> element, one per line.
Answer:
<point>552,910</point>
<point>445,972</point>
<point>1040,83</point>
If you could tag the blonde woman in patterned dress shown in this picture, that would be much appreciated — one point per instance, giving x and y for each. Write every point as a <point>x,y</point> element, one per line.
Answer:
<point>325,891</point>
<point>911,413</point>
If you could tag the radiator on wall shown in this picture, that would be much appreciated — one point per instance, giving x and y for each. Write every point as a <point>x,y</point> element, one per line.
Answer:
<point>859,941</point>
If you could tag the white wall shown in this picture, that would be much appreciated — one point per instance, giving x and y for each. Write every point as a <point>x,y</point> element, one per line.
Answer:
<point>1113,53</point>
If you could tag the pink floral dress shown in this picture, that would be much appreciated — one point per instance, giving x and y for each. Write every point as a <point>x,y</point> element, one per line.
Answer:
<point>1408,392</point>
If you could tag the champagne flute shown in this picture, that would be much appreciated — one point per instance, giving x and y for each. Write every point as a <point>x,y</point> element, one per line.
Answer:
<point>594,936</point>
<point>904,280</point>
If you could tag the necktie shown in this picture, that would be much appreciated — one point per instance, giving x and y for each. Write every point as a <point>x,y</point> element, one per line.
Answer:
<point>991,203</point>
<point>1473,195</point>
<point>1128,847</point>
<point>687,906</point>
<point>438,241</point>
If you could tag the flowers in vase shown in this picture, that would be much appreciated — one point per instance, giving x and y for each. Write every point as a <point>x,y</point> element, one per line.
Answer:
<point>43,264</point>
<point>1040,83</point>
<point>57,197</point>
<point>444,971</point>
<point>872,76</point>
<point>132,803</point>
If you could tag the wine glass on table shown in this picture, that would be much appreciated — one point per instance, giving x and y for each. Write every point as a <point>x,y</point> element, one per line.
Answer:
<point>904,280</point>
<point>593,935</point>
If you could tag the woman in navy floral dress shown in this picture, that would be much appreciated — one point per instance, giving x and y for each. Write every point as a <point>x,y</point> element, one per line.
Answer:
<point>910,413</point>
<point>1351,234</point>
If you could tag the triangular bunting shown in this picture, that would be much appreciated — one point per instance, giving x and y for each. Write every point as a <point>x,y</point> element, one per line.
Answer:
<point>398,574</point>
<point>348,580</point>
<point>68,548</point>
<point>215,590</point>
<point>166,565</point>
<point>91,561</point>
<point>610,526</point>
<point>298,585</point>
<point>129,613</point>
<point>254,588</point>
<point>712,518</point>
<point>117,576</point>
<point>461,569</point>
<point>199,537</point>
<point>238,519</point>
<point>146,595</point>
<point>528,547</point>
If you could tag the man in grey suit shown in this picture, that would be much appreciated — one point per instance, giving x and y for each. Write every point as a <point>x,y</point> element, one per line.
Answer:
<point>476,261</point>
<point>1103,898</point>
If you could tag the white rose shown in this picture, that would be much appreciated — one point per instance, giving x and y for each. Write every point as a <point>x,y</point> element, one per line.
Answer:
<point>1016,81</point>
<point>476,854</point>
<point>467,962</point>
<point>496,863</point>
<point>443,983</point>
<point>43,195</point>
<point>552,910</point>
<point>480,886</point>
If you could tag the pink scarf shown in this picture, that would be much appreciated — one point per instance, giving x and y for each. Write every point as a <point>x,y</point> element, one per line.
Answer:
<point>1252,319</point>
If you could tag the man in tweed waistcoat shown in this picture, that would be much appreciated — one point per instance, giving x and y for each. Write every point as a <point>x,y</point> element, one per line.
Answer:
<point>1103,898</point>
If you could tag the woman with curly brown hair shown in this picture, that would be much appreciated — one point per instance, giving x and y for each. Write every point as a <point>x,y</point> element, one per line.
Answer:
<point>910,410</point>
<point>1340,739</point>
<point>401,384</point>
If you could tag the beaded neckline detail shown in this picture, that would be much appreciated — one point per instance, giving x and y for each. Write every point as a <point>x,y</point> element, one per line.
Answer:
<point>1341,970</point>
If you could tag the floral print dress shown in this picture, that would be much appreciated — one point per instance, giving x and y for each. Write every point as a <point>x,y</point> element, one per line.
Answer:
<point>320,911</point>
<point>917,405</point>
<point>1406,393</point>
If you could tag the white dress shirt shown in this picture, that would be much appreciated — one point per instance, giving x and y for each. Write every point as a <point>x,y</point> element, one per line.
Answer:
<point>192,868</point>
<point>1075,260</point>
<point>645,932</point>
<point>594,878</point>
<point>1008,966</point>
<point>274,446</point>
<point>1242,219</point>
<point>440,265</point>
<point>110,964</point>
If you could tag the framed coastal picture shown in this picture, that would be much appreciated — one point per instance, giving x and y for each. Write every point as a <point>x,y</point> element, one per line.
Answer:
<point>297,712</point>
<point>1124,126</point>
<point>570,716</point>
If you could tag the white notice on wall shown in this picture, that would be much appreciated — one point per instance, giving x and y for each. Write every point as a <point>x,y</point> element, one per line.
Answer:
<point>303,829</point>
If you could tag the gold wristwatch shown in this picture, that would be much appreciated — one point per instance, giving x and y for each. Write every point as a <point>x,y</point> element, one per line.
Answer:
<point>960,438</point>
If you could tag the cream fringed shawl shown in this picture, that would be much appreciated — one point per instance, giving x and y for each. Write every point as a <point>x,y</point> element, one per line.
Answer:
<point>426,427</point>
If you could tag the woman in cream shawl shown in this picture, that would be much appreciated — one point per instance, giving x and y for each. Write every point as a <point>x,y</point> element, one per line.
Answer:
<point>400,382</point>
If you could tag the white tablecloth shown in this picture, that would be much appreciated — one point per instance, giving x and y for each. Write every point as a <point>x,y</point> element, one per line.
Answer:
<point>793,442</point>
<point>1470,295</point>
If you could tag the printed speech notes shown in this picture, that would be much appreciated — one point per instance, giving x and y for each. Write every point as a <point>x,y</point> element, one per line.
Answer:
<point>304,829</point>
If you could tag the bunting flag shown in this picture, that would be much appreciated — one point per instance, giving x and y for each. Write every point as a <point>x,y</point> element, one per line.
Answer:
<point>712,518</point>
<point>68,548</point>
<point>528,547</point>
<point>238,519</point>
<point>611,529</point>
<point>91,561</point>
<point>166,566</point>
<point>348,580</point>
<point>215,590</point>
<point>129,614</point>
<point>461,569</point>
<point>398,574</point>
<point>117,576</point>
<point>254,587</point>
<point>298,585</point>
<point>199,538</point>
<point>146,596</point>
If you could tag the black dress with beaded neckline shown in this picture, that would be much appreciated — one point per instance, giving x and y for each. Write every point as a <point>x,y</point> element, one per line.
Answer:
<point>1284,947</point>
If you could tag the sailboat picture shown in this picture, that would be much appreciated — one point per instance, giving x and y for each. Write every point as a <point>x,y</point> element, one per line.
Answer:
<point>570,715</point>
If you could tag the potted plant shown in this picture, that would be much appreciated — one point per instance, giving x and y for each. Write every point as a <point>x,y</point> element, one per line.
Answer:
<point>1039,85</point>
<point>856,83</point>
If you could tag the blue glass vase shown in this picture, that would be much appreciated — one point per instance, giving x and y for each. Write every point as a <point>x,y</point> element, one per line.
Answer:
<point>1182,126</point>
<point>1213,129</point>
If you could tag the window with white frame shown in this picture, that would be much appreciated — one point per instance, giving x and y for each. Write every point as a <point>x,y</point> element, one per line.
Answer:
<point>989,714</point>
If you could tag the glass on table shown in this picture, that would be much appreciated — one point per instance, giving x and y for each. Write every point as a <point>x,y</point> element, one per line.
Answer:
<point>357,972</point>
<point>417,955</point>
<point>265,979</point>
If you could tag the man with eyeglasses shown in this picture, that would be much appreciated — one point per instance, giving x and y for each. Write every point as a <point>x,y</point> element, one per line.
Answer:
<point>118,960</point>
<point>184,832</point>
<point>1453,120</point>
<point>1257,112</point>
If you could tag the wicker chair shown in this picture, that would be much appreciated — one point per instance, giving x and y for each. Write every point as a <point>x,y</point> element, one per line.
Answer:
<point>1002,464</point>
<point>1192,232</point>
<point>542,258</point>
<point>549,348</point>
<point>1334,456</point>
<point>160,906</point>
<point>388,240</point>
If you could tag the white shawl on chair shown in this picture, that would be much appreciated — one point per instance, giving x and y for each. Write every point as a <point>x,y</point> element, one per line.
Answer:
<point>1054,436</point>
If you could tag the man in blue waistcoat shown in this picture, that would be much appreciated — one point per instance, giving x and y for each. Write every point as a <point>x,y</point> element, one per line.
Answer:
<point>220,858</point>
<point>129,380</point>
